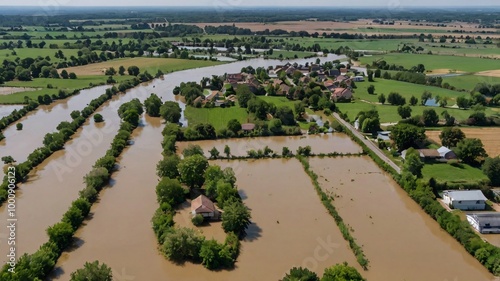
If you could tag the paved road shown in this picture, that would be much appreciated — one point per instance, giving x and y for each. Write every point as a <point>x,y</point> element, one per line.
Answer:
<point>368,143</point>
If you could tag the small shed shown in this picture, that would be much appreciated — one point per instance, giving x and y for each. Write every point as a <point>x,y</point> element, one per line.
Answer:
<point>201,205</point>
<point>248,126</point>
<point>485,222</point>
<point>465,199</point>
<point>446,153</point>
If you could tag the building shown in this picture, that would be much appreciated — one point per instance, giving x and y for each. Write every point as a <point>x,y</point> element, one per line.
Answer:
<point>442,154</point>
<point>201,205</point>
<point>485,222</point>
<point>446,153</point>
<point>359,78</point>
<point>384,135</point>
<point>341,94</point>
<point>465,199</point>
<point>247,127</point>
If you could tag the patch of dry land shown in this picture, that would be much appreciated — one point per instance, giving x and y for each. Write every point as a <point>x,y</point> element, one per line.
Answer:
<point>12,90</point>
<point>489,137</point>
<point>444,71</point>
<point>399,239</point>
<point>490,73</point>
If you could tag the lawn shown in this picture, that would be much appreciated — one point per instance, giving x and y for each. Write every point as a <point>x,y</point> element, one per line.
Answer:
<point>33,53</point>
<point>432,62</point>
<point>217,116</point>
<point>70,84</point>
<point>453,173</point>
<point>468,82</point>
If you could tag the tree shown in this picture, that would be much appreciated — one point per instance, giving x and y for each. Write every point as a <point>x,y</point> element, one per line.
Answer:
<point>407,135</point>
<point>369,121</point>
<point>133,70</point>
<point>430,117</point>
<point>171,111</point>
<point>285,114</point>
<point>170,191</point>
<point>213,255</point>
<point>244,95</point>
<point>8,159</point>
<point>214,153</point>
<point>131,116</point>
<point>93,271</point>
<point>371,89</point>
<point>225,193</point>
<point>378,73</point>
<point>61,234</point>
<point>381,98</point>
<point>75,114</point>
<point>471,151</point>
<point>98,118</point>
<point>404,111</point>
<point>97,178</point>
<point>121,70</point>
<point>300,274</point>
<point>450,136</point>
<point>396,99</point>
<point>413,101</point>
<point>227,151</point>
<point>192,149</point>
<point>426,95</point>
<point>236,217</point>
<point>463,102</point>
<point>19,126</point>
<point>64,74</point>
<point>72,75</point>
<point>181,244</point>
<point>412,162</point>
<point>192,169</point>
<point>370,76</point>
<point>234,126</point>
<point>491,168</point>
<point>168,166</point>
<point>341,272</point>
<point>153,104</point>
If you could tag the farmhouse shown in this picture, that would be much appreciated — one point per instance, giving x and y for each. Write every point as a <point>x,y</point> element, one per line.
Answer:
<point>465,199</point>
<point>485,222</point>
<point>341,94</point>
<point>201,205</point>
<point>442,154</point>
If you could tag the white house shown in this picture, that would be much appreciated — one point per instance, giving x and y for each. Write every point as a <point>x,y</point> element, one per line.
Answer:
<point>465,199</point>
<point>485,222</point>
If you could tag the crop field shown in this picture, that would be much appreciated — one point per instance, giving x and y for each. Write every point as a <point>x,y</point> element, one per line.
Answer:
<point>468,82</point>
<point>489,137</point>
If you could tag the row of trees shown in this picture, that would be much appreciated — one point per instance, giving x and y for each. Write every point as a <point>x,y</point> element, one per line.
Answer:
<point>338,272</point>
<point>38,265</point>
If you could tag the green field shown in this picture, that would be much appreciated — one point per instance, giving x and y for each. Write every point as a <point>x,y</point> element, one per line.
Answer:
<point>466,64</point>
<point>217,116</point>
<point>33,53</point>
<point>468,82</point>
<point>70,84</point>
<point>456,173</point>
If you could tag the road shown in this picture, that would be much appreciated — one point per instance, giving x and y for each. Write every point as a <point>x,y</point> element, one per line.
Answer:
<point>368,143</point>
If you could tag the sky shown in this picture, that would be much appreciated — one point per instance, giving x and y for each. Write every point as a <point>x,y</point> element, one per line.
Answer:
<point>246,3</point>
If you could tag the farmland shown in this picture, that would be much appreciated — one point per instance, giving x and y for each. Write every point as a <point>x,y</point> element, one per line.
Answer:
<point>489,137</point>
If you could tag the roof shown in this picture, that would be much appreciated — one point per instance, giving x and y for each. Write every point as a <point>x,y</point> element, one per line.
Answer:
<point>429,153</point>
<point>247,126</point>
<point>341,92</point>
<point>202,204</point>
<point>443,150</point>
<point>459,195</point>
<point>483,218</point>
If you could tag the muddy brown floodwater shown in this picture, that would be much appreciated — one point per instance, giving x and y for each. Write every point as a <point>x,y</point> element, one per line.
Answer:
<point>290,226</point>
<point>325,143</point>
<point>19,144</point>
<point>399,239</point>
<point>55,183</point>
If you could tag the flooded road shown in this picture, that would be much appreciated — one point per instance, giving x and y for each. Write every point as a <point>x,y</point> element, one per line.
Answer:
<point>55,183</point>
<point>43,120</point>
<point>392,229</point>
<point>325,143</point>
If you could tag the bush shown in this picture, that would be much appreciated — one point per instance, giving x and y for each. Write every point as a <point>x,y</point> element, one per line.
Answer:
<point>197,220</point>
<point>19,126</point>
<point>98,118</point>
<point>92,271</point>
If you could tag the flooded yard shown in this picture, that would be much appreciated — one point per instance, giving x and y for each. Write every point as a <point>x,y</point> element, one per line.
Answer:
<point>392,229</point>
<point>325,143</point>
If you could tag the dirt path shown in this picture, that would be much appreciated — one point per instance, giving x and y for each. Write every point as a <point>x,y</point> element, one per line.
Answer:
<point>368,143</point>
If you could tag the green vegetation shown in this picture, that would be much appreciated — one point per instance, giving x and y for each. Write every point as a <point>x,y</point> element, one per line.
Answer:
<point>218,117</point>
<point>93,271</point>
<point>338,272</point>
<point>453,173</point>
<point>468,82</point>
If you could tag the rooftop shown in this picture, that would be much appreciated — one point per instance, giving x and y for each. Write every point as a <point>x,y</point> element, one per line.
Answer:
<point>473,195</point>
<point>202,204</point>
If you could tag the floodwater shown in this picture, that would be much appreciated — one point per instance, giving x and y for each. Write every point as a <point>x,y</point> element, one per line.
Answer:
<point>209,229</point>
<point>276,241</point>
<point>7,109</point>
<point>324,143</point>
<point>37,123</point>
<point>55,183</point>
<point>399,239</point>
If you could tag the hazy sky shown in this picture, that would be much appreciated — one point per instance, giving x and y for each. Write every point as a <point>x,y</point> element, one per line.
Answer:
<point>236,3</point>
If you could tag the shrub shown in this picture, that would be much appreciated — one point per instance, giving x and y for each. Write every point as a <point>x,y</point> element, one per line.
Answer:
<point>98,118</point>
<point>197,220</point>
<point>19,126</point>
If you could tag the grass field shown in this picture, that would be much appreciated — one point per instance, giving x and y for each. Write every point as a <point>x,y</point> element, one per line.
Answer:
<point>468,82</point>
<point>217,116</point>
<point>150,64</point>
<point>457,173</point>
<point>431,62</point>
<point>33,53</point>
<point>70,84</point>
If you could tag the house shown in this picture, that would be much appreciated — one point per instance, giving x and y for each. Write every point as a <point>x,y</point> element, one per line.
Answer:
<point>214,95</point>
<point>201,205</point>
<point>359,78</point>
<point>332,72</point>
<point>465,199</point>
<point>384,135</point>
<point>485,222</point>
<point>429,154</point>
<point>247,127</point>
<point>234,77</point>
<point>446,154</point>
<point>343,70</point>
<point>341,94</point>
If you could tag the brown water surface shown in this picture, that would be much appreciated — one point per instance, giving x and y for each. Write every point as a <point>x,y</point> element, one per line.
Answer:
<point>399,239</point>
<point>325,143</point>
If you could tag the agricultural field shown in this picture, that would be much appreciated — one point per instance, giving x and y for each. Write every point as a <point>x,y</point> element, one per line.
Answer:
<point>488,136</point>
<point>468,82</point>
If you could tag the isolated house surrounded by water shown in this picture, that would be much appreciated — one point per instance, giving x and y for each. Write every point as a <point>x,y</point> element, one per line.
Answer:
<point>201,205</point>
<point>465,199</point>
<point>485,222</point>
